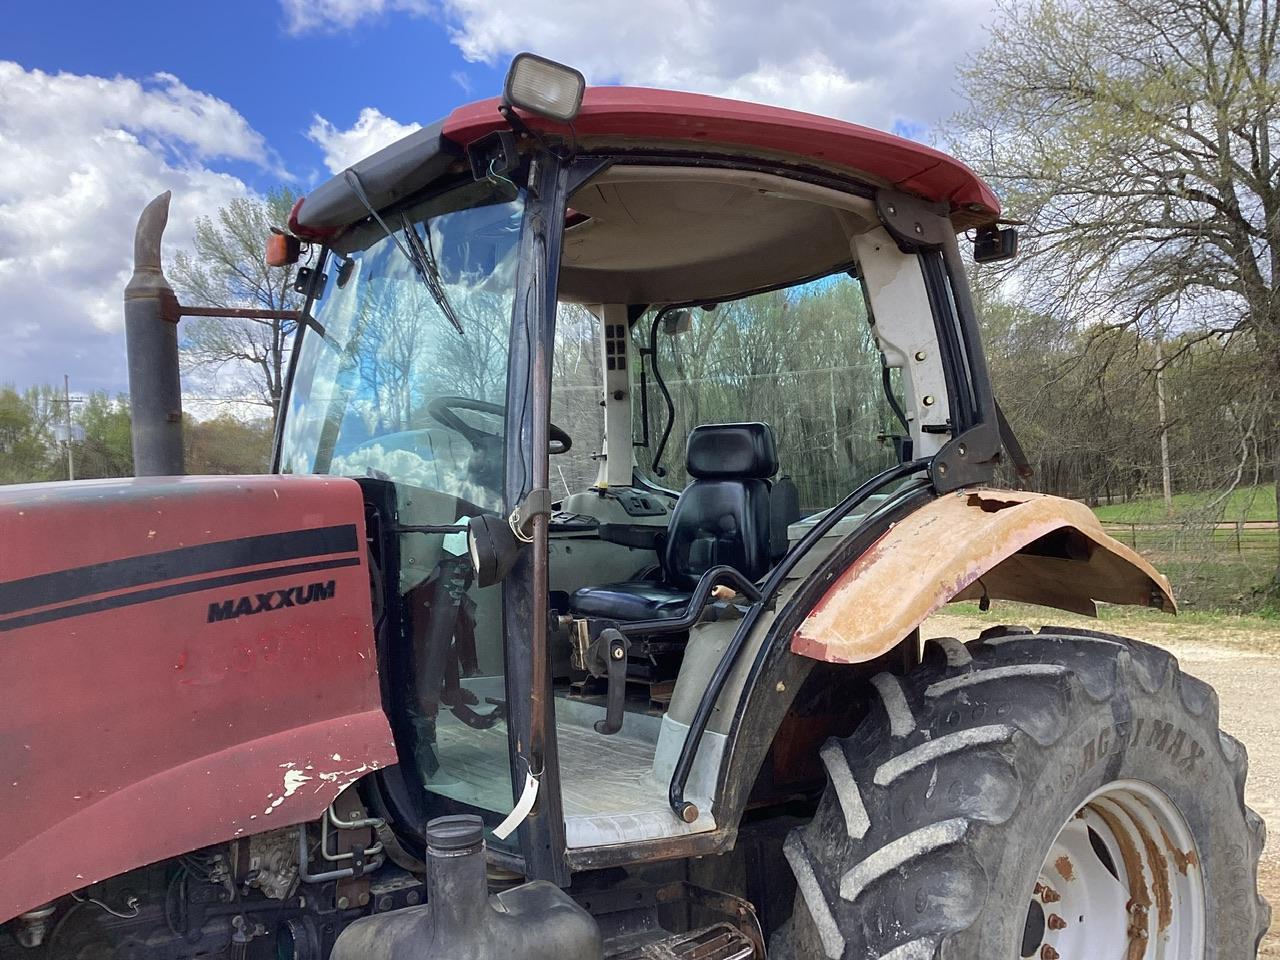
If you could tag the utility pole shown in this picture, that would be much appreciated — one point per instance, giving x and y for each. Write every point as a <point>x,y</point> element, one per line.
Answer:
<point>66,399</point>
<point>1164,429</point>
<point>65,432</point>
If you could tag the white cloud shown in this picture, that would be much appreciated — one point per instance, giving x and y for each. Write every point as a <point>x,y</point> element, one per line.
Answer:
<point>462,79</point>
<point>863,60</point>
<point>305,15</point>
<point>885,65</point>
<point>79,158</point>
<point>372,131</point>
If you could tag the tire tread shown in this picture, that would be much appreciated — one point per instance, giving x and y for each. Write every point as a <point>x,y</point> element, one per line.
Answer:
<point>852,854</point>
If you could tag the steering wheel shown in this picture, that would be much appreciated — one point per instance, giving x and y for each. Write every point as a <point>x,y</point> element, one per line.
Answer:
<point>441,409</point>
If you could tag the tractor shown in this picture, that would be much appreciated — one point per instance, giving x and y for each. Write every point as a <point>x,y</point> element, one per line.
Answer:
<point>629,438</point>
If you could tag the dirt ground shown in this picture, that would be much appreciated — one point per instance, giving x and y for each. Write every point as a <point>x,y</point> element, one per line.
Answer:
<point>1241,659</point>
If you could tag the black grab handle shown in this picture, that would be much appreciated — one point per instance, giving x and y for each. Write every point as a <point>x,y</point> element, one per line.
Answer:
<point>714,577</point>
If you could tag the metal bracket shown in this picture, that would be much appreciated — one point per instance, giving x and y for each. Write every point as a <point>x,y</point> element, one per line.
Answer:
<point>305,277</point>
<point>579,633</point>
<point>966,459</point>
<point>583,170</point>
<point>913,223</point>
<point>494,156</point>
<point>536,503</point>
<point>1012,445</point>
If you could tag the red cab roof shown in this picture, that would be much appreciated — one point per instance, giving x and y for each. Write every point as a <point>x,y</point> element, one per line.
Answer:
<point>639,113</point>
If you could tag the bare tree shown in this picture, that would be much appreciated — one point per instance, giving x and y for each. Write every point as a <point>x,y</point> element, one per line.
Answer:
<point>1135,137</point>
<point>229,269</point>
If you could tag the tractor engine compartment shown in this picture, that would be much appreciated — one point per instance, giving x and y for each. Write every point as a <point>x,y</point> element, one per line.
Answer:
<point>249,900</point>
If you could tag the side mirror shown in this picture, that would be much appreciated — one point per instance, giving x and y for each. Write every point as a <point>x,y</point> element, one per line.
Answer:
<point>993,244</point>
<point>493,548</point>
<point>677,322</point>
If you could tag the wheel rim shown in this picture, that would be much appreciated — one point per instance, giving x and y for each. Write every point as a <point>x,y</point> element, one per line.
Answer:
<point>1121,881</point>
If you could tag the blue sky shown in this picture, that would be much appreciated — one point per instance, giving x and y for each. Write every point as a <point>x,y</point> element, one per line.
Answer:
<point>104,105</point>
<point>245,54</point>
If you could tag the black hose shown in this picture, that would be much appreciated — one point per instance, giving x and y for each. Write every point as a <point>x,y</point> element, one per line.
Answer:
<point>689,750</point>
<point>894,405</point>
<point>659,471</point>
<point>644,404</point>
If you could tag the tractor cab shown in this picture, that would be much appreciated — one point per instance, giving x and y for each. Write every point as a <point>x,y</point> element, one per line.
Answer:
<point>609,386</point>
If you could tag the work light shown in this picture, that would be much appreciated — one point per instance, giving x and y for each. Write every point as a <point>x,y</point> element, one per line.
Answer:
<point>493,547</point>
<point>544,87</point>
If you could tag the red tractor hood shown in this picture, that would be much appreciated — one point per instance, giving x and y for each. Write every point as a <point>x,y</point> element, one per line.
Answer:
<point>184,661</point>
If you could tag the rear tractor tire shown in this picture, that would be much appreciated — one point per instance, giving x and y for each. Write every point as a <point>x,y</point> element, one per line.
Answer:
<point>1054,794</point>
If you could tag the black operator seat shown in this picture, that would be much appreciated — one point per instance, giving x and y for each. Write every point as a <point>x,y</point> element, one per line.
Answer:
<point>722,517</point>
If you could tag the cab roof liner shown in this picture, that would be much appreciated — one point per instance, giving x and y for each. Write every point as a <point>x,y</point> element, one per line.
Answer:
<point>636,118</point>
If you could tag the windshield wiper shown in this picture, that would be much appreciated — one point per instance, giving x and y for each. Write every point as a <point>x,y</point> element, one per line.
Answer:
<point>424,264</point>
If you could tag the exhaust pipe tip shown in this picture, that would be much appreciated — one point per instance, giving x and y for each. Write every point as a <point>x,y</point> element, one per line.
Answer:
<point>151,315</point>
<point>148,278</point>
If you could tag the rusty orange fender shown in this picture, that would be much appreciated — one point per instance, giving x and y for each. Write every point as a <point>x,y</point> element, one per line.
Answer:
<point>1002,544</point>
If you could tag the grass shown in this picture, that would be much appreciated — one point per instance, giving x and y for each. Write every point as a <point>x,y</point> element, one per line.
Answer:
<point>1220,584</point>
<point>1247,632</point>
<point>1224,568</point>
<point>1002,612</point>
<point>1244,503</point>
<point>1006,611</point>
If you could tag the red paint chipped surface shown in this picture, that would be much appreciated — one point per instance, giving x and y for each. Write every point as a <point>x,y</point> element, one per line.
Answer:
<point>116,718</point>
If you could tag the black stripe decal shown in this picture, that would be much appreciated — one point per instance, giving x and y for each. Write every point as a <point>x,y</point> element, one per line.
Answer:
<point>63,585</point>
<point>171,590</point>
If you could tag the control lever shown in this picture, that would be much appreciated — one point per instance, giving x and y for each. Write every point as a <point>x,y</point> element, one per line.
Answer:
<point>607,657</point>
<point>481,721</point>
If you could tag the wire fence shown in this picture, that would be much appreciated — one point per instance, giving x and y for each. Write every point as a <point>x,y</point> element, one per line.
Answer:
<point>1216,566</point>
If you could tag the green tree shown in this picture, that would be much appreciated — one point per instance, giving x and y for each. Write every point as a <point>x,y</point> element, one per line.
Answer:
<point>107,448</point>
<point>26,443</point>
<point>229,269</point>
<point>227,445</point>
<point>1136,139</point>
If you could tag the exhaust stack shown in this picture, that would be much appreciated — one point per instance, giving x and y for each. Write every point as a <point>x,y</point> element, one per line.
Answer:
<point>151,315</point>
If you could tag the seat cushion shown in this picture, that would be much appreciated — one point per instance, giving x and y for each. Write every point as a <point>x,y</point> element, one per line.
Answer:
<point>630,600</point>
<point>718,522</point>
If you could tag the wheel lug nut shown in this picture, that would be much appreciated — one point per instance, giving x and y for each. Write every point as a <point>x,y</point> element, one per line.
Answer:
<point>1056,922</point>
<point>1050,895</point>
<point>1048,953</point>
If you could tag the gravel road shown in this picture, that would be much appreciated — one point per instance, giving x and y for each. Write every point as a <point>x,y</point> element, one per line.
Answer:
<point>1242,662</point>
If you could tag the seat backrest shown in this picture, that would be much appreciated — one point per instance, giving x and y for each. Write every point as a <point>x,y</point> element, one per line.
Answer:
<point>722,517</point>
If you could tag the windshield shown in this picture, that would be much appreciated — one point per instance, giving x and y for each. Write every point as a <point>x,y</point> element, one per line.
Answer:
<point>407,381</point>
